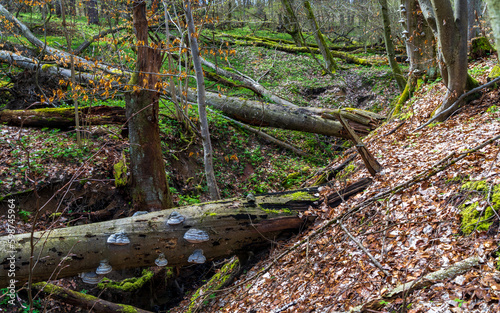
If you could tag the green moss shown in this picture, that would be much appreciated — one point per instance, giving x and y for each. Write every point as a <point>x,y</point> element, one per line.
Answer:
<point>6,84</point>
<point>129,284</point>
<point>475,218</point>
<point>120,172</point>
<point>495,72</point>
<point>45,67</point>
<point>127,308</point>
<point>350,168</point>
<point>480,47</point>
<point>215,283</point>
<point>302,195</point>
<point>133,79</point>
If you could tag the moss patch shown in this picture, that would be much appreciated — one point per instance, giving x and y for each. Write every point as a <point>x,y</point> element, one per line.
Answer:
<point>120,172</point>
<point>478,214</point>
<point>129,284</point>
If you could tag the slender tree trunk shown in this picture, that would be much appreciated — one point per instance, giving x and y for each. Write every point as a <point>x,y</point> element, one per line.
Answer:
<point>149,182</point>
<point>389,47</point>
<point>420,42</point>
<point>474,13</point>
<point>202,110</point>
<point>320,40</point>
<point>494,12</point>
<point>291,24</point>
<point>73,80</point>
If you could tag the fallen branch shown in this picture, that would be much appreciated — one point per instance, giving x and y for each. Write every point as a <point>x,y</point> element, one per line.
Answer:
<point>87,43</point>
<point>453,107</point>
<point>370,256</point>
<point>84,301</point>
<point>430,279</point>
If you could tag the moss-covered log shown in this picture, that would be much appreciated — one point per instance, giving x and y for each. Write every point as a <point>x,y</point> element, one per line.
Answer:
<point>63,117</point>
<point>85,301</point>
<point>254,41</point>
<point>230,225</point>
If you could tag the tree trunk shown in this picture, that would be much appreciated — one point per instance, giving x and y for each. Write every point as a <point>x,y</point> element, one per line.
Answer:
<point>420,42</point>
<point>450,29</point>
<point>148,178</point>
<point>202,110</point>
<point>291,24</point>
<point>92,12</point>
<point>473,16</point>
<point>389,47</point>
<point>320,40</point>
<point>494,13</point>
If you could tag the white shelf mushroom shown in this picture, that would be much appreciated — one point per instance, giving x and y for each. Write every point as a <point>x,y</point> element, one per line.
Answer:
<point>197,257</point>
<point>161,260</point>
<point>119,239</point>
<point>175,218</point>
<point>196,236</point>
<point>103,268</point>
<point>90,278</point>
<point>140,213</point>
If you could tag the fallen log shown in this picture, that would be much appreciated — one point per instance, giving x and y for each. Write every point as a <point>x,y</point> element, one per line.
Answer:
<point>286,116</point>
<point>253,41</point>
<point>57,55</point>
<point>219,229</point>
<point>215,229</point>
<point>84,301</point>
<point>63,117</point>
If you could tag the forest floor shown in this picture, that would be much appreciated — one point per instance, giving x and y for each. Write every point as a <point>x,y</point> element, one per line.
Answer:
<point>429,226</point>
<point>411,232</point>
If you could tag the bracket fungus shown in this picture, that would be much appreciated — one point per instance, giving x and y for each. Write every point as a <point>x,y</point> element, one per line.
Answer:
<point>175,218</point>
<point>90,278</point>
<point>197,257</point>
<point>140,213</point>
<point>104,268</point>
<point>196,236</point>
<point>119,239</point>
<point>161,260</point>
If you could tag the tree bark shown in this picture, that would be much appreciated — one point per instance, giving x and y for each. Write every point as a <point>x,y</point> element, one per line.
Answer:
<point>473,15</point>
<point>420,42</point>
<point>63,117</point>
<point>494,13</point>
<point>389,47</point>
<point>292,25</point>
<point>232,225</point>
<point>320,40</point>
<point>84,301</point>
<point>149,185</point>
<point>202,110</point>
<point>92,12</point>
<point>450,29</point>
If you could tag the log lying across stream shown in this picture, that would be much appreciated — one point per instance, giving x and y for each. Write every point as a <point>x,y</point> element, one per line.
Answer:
<point>219,229</point>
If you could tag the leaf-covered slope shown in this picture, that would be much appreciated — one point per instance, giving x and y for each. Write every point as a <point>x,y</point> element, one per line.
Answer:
<point>411,233</point>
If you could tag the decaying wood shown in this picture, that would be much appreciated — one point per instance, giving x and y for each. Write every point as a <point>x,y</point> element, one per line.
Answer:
<point>370,162</point>
<point>102,34</point>
<point>430,279</point>
<point>84,301</point>
<point>63,117</point>
<point>232,225</point>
